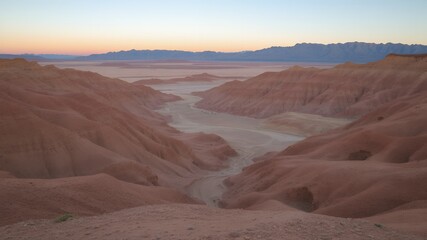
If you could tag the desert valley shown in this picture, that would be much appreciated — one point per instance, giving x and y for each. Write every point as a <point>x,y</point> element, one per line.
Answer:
<point>281,147</point>
<point>224,138</point>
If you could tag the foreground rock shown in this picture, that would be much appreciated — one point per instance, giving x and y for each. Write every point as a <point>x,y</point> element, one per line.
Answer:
<point>347,90</point>
<point>201,222</point>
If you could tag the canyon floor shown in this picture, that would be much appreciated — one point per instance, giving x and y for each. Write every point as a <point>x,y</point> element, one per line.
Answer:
<point>249,137</point>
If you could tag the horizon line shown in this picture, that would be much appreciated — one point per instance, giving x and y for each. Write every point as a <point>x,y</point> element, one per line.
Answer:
<point>201,51</point>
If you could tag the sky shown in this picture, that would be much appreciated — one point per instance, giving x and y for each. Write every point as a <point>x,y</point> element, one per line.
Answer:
<point>83,27</point>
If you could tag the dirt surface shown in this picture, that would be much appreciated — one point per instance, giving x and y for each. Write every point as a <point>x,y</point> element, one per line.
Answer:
<point>200,222</point>
<point>132,71</point>
<point>247,136</point>
<point>304,124</point>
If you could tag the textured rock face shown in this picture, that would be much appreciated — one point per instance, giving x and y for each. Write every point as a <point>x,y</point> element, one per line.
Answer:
<point>58,123</point>
<point>374,167</point>
<point>67,123</point>
<point>347,90</point>
<point>23,199</point>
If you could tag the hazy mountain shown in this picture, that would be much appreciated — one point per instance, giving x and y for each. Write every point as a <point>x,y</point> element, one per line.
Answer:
<point>304,52</point>
<point>357,52</point>
<point>57,56</point>
<point>25,56</point>
<point>39,57</point>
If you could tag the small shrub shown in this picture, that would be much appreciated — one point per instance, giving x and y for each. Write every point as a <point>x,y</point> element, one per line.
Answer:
<point>378,225</point>
<point>64,217</point>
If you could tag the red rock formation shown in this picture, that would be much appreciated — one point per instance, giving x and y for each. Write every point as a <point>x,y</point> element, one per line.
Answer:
<point>59,123</point>
<point>347,90</point>
<point>374,167</point>
<point>66,123</point>
<point>23,199</point>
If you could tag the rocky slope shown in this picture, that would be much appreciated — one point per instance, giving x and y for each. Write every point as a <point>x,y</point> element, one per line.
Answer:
<point>347,90</point>
<point>375,167</point>
<point>66,123</point>
<point>23,199</point>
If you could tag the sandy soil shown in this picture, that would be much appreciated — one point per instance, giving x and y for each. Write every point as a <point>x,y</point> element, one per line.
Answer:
<point>178,221</point>
<point>131,71</point>
<point>303,123</point>
<point>247,136</point>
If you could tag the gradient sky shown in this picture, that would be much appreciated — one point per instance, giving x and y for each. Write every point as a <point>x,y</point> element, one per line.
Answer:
<point>95,26</point>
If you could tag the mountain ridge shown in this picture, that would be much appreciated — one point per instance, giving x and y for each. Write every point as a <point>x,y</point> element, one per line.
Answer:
<point>359,52</point>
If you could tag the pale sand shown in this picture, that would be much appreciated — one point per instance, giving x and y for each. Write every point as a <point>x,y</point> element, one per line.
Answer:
<point>303,123</point>
<point>131,71</point>
<point>248,136</point>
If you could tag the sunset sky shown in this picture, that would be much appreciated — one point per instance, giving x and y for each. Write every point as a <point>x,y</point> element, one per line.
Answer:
<point>95,26</point>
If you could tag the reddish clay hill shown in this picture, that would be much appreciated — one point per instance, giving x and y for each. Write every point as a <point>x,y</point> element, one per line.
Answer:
<point>65,123</point>
<point>375,167</point>
<point>347,90</point>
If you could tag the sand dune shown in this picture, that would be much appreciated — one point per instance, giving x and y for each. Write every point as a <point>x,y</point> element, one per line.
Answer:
<point>347,90</point>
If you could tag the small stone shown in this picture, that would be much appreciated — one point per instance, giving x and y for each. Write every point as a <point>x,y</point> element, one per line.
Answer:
<point>234,234</point>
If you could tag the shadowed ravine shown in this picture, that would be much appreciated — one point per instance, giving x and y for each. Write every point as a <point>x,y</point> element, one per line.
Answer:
<point>245,135</point>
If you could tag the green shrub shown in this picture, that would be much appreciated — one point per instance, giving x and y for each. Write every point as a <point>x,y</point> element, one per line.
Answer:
<point>64,217</point>
<point>378,225</point>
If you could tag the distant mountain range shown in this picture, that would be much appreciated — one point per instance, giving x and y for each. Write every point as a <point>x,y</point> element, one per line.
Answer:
<point>358,52</point>
<point>39,57</point>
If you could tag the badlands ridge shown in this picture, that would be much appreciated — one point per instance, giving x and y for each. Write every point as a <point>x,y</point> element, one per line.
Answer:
<point>82,143</point>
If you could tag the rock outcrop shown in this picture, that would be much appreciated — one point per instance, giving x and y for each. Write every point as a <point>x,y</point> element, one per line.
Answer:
<point>375,167</point>
<point>347,90</point>
<point>57,124</point>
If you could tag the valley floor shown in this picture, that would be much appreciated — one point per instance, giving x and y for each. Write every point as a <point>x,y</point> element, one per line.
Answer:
<point>248,136</point>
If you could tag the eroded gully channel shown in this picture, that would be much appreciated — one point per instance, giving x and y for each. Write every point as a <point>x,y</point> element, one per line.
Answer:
<point>245,135</point>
